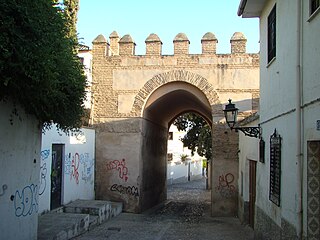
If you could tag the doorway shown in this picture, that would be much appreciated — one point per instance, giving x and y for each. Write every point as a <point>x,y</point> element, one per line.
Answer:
<point>252,191</point>
<point>56,176</point>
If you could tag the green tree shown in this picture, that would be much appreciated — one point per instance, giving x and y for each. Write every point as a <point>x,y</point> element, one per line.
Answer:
<point>71,8</point>
<point>198,137</point>
<point>39,68</point>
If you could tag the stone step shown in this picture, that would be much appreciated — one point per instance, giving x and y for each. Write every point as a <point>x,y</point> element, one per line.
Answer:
<point>93,221</point>
<point>99,208</point>
<point>62,226</point>
<point>77,217</point>
<point>116,208</point>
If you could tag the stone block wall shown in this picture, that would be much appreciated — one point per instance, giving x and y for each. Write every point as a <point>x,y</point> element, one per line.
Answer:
<point>123,88</point>
<point>224,194</point>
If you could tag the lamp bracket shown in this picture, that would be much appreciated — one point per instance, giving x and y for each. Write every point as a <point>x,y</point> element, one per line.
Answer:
<point>249,131</point>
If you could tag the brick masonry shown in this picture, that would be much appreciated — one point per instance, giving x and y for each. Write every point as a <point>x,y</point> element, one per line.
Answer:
<point>122,86</point>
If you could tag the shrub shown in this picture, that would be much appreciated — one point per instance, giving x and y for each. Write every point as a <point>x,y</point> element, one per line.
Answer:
<point>39,68</point>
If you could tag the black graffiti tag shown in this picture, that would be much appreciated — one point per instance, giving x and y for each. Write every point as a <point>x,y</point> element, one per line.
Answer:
<point>129,190</point>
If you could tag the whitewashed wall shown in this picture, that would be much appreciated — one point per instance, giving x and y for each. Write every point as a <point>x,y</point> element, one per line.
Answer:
<point>19,174</point>
<point>278,105</point>
<point>78,166</point>
<point>178,173</point>
<point>87,63</point>
<point>248,151</point>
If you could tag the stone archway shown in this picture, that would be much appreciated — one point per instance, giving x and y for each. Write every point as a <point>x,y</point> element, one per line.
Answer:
<point>161,99</point>
<point>126,121</point>
<point>172,76</point>
<point>140,142</point>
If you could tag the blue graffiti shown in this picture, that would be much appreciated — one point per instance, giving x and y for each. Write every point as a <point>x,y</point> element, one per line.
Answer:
<point>67,164</point>
<point>45,154</point>
<point>26,201</point>
<point>87,173</point>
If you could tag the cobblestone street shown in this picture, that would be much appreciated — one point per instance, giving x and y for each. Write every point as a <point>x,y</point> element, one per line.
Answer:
<point>186,215</point>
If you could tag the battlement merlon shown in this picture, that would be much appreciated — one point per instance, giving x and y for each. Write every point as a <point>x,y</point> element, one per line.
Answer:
<point>125,46</point>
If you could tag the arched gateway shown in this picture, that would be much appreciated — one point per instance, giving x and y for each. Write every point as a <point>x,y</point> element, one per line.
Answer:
<point>135,98</point>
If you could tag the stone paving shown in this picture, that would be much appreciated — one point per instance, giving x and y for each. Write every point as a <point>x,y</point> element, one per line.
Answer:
<point>186,215</point>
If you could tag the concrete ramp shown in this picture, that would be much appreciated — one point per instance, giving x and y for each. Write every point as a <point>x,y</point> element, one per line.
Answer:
<point>76,218</point>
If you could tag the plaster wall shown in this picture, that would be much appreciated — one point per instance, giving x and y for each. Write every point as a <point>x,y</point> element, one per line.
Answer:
<point>279,110</point>
<point>19,173</point>
<point>179,172</point>
<point>78,166</point>
<point>176,148</point>
<point>310,55</point>
<point>118,162</point>
<point>154,168</point>
<point>277,78</point>
<point>297,58</point>
<point>288,172</point>
<point>86,55</point>
<point>248,151</point>
<point>311,100</point>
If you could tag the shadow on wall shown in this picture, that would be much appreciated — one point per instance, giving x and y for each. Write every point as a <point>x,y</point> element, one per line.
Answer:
<point>131,159</point>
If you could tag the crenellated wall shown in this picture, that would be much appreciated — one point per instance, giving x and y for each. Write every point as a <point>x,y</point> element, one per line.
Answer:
<point>126,45</point>
<point>135,97</point>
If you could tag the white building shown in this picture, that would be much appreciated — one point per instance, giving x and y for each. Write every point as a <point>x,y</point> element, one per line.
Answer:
<point>287,204</point>
<point>66,168</point>
<point>85,55</point>
<point>67,161</point>
<point>182,166</point>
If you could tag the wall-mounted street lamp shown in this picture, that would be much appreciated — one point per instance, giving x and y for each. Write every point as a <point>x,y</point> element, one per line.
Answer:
<point>231,114</point>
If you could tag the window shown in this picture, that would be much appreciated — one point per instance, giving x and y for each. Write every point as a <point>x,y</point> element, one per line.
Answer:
<point>170,136</point>
<point>81,60</point>
<point>272,34</point>
<point>314,5</point>
<point>275,168</point>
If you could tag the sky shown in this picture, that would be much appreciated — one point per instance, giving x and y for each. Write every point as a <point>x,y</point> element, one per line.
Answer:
<point>166,18</point>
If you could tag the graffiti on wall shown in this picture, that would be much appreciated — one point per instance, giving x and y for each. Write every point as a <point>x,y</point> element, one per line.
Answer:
<point>43,170</point>
<point>88,167</point>
<point>120,166</point>
<point>128,190</point>
<point>226,187</point>
<point>72,163</point>
<point>26,201</point>
<point>79,162</point>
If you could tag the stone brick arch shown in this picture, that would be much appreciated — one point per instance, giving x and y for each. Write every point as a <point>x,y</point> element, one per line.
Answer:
<point>172,76</point>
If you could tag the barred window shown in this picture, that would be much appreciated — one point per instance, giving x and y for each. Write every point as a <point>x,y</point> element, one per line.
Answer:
<point>272,34</point>
<point>275,168</point>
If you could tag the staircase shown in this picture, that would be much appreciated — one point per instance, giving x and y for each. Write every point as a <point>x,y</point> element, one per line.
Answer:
<point>76,218</point>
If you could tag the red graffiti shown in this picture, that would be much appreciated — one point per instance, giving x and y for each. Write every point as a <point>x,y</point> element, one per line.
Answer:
<point>75,167</point>
<point>225,187</point>
<point>120,166</point>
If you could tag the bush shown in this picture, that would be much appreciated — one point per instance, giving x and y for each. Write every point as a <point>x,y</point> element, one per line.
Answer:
<point>39,67</point>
